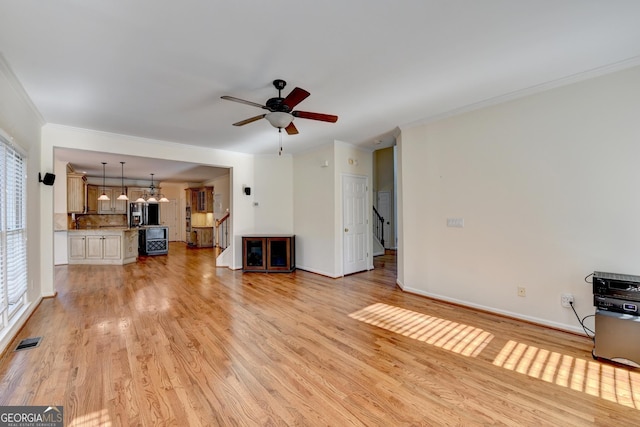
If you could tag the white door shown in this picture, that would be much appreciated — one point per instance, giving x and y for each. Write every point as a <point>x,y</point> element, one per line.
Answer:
<point>355,224</point>
<point>169,218</point>
<point>384,209</point>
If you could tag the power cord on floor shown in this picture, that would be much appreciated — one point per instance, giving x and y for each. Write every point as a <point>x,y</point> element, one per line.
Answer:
<point>587,331</point>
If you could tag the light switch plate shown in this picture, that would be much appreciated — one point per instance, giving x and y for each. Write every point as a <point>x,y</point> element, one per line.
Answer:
<point>455,222</point>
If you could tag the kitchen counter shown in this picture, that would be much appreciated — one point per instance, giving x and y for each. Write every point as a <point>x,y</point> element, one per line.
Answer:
<point>108,245</point>
<point>98,229</point>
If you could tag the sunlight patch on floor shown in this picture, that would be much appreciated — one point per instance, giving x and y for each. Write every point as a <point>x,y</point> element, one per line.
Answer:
<point>94,419</point>
<point>456,337</point>
<point>615,384</point>
<point>608,382</point>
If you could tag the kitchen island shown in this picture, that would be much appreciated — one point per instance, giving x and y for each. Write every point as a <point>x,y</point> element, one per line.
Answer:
<point>110,245</point>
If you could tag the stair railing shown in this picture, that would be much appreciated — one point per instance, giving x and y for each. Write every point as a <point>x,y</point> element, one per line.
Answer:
<point>378,226</point>
<point>222,231</point>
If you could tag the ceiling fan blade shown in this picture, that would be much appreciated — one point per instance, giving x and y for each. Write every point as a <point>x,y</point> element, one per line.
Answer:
<point>250,120</point>
<point>315,116</point>
<point>291,129</point>
<point>242,101</point>
<point>296,96</point>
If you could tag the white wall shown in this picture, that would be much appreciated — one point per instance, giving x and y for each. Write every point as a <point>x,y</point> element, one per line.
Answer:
<point>317,198</point>
<point>548,189</point>
<point>222,186</point>
<point>272,190</point>
<point>21,123</point>
<point>314,210</point>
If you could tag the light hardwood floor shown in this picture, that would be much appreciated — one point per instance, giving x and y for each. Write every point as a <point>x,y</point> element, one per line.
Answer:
<point>172,340</point>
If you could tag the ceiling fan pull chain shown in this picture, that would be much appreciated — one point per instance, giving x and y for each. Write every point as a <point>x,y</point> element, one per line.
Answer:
<point>280,135</point>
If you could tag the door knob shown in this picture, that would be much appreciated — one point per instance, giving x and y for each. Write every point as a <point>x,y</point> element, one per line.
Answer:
<point>346,230</point>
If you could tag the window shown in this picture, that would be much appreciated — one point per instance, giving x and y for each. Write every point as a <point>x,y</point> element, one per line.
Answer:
<point>13,231</point>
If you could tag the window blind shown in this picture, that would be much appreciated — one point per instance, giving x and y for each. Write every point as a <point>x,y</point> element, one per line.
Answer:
<point>13,227</point>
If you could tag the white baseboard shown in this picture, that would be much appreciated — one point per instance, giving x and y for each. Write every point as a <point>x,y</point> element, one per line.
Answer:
<point>536,320</point>
<point>313,270</point>
<point>7,335</point>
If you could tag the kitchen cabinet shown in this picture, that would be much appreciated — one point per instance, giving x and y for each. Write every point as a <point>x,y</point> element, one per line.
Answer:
<point>134,193</point>
<point>113,205</point>
<point>93,193</point>
<point>203,237</point>
<point>269,253</point>
<point>76,183</point>
<point>102,246</point>
<point>77,247</point>
<point>200,199</point>
<point>130,245</point>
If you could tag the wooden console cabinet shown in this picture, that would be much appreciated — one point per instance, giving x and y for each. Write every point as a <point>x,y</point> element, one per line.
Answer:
<point>268,253</point>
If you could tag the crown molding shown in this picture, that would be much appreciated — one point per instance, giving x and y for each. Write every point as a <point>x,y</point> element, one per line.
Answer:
<point>532,90</point>
<point>6,70</point>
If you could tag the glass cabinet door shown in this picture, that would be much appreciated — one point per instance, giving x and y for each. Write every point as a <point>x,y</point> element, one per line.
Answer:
<point>254,254</point>
<point>268,253</point>
<point>279,253</point>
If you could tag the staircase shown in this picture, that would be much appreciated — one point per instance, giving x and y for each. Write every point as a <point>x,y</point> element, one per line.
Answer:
<point>222,240</point>
<point>378,233</point>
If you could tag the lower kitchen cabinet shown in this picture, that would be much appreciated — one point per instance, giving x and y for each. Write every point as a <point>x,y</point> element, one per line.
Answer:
<point>102,246</point>
<point>203,237</point>
<point>268,253</point>
<point>77,247</point>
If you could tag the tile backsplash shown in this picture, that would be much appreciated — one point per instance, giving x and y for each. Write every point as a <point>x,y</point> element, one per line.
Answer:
<point>97,221</point>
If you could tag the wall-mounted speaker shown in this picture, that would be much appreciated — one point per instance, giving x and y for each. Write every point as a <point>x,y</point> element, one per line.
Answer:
<point>247,191</point>
<point>48,179</point>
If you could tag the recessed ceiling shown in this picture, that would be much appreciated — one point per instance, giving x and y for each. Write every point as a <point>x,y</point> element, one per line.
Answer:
<point>157,68</point>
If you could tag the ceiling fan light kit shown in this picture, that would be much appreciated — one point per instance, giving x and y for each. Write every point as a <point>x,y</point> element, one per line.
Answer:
<point>279,119</point>
<point>281,113</point>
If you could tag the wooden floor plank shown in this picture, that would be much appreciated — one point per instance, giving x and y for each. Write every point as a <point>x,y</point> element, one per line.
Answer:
<point>173,340</point>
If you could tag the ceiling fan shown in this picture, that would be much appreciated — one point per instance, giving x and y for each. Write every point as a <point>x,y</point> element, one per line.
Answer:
<point>281,113</point>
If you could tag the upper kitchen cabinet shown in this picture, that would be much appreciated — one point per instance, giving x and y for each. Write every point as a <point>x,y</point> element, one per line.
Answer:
<point>113,205</point>
<point>200,199</point>
<point>76,195</point>
<point>134,193</point>
<point>93,192</point>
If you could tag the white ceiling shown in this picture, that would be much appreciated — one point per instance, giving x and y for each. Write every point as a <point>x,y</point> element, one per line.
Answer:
<point>157,68</point>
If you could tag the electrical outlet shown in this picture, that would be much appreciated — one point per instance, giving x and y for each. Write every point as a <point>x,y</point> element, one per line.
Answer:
<point>566,300</point>
<point>522,291</point>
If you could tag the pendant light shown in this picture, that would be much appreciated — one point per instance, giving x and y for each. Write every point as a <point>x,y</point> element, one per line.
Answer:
<point>103,196</point>
<point>152,197</point>
<point>122,196</point>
